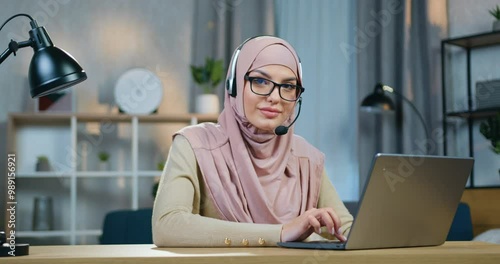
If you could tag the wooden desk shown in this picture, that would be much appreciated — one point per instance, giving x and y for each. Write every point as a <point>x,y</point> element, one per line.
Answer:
<point>450,252</point>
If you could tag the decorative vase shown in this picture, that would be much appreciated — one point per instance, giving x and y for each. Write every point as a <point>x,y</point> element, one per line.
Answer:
<point>42,214</point>
<point>103,166</point>
<point>496,25</point>
<point>207,104</point>
<point>42,165</point>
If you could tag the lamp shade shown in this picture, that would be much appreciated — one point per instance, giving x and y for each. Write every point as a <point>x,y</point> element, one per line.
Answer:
<point>53,69</point>
<point>378,101</point>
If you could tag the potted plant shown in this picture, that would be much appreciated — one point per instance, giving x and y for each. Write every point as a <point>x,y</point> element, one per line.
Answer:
<point>42,163</point>
<point>207,77</point>
<point>490,129</point>
<point>495,12</point>
<point>103,158</point>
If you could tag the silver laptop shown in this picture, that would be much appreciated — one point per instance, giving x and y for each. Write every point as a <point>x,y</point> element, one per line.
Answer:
<point>407,201</point>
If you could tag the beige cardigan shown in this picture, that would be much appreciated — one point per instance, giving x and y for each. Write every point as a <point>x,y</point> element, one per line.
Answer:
<point>183,216</point>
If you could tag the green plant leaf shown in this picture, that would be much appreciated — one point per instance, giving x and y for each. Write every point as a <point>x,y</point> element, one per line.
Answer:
<point>217,72</point>
<point>196,72</point>
<point>103,156</point>
<point>495,12</point>
<point>485,130</point>
<point>496,148</point>
<point>209,64</point>
<point>209,75</point>
<point>490,129</point>
<point>160,165</point>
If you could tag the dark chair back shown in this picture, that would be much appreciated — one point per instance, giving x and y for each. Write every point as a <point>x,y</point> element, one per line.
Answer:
<point>461,228</point>
<point>127,227</point>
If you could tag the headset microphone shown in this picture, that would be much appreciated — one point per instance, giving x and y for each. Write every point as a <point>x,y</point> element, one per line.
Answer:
<point>281,130</point>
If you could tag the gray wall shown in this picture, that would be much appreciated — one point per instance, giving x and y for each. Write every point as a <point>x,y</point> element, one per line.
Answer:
<point>108,38</point>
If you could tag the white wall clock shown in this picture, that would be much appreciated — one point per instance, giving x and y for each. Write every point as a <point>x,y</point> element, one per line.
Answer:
<point>138,91</point>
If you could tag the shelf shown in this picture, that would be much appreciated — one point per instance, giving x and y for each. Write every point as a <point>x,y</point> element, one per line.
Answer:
<point>106,174</point>
<point>52,233</point>
<point>88,174</point>
<point>178,118</point>
<point>103,174</point>
<point>65,119</point>
<point>484,187</point>
<point>476,114</point>
<point>57,233</point>
<point>149,173</point>
<point>96,232</point>
<point>44,174</point>
<point>476,41</point>
<point>40,119</point>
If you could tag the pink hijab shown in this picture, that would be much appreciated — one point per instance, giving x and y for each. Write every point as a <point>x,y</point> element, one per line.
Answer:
<point>250,175</point>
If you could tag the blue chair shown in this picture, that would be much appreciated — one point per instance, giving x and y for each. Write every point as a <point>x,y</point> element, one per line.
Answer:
<point>461,228</point>
<point>127,227</point>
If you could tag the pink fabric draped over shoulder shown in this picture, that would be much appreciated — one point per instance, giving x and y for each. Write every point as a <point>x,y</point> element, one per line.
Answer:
<point>255,176</point>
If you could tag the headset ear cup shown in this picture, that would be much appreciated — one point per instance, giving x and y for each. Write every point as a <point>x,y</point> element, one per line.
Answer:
<point>300,70</point>
<point>233,87</point>
<point>230,86</point>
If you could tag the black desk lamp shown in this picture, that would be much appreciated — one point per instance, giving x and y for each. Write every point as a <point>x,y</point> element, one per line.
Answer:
<point>51,69</point>
<point>379,101</point>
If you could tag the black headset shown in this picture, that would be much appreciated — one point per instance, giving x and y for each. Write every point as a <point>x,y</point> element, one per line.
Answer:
<point>231,80</point>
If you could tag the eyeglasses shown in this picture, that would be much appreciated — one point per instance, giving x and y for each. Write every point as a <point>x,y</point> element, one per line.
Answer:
<point>262,86</point>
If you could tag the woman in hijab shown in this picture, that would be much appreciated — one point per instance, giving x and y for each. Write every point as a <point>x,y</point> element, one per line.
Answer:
<point>238,183</point>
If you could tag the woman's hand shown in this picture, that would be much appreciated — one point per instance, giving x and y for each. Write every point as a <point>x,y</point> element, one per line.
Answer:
<point>311,221</point>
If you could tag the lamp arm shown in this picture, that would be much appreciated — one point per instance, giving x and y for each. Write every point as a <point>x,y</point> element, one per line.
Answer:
<point>13,47</point>
<point>5,54</point>
<point>418,114</point>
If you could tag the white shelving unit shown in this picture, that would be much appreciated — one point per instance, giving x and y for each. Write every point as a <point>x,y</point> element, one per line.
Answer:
<point>67,184</point>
